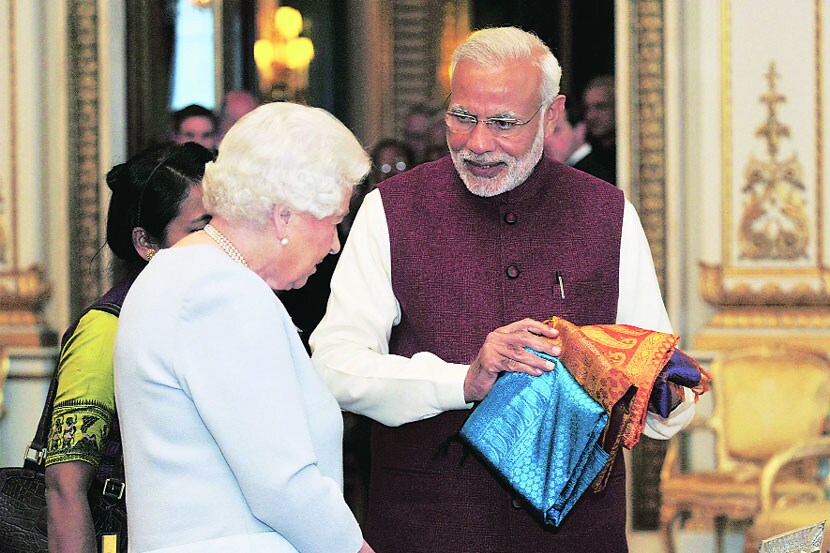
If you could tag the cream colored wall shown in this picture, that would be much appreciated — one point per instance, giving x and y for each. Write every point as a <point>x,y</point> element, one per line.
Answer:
<point>35,183</point>
<point>33,131</point>
<point>34,193</point>
<point>694,153</point>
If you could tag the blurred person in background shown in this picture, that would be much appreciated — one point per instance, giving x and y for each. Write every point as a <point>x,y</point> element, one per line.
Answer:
<point>194,123</point>
<point>235,104</point>
<point>416,130</point>
<point>600,117</point>
<point>568,144</point>
<point>389,158</point>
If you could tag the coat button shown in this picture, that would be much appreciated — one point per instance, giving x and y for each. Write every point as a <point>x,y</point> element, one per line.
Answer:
<point>512,271</point>
<point>516,504</point>
<point>510,218</point>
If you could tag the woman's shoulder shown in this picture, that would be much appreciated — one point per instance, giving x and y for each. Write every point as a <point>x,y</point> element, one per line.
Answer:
<point>178,270</point>
<point>94,329</point>
<point>213,281</point>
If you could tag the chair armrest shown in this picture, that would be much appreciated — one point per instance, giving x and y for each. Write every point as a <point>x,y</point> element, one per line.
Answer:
<point>815,448</point>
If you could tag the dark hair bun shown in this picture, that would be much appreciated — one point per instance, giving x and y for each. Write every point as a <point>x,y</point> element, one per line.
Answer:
<point>148,191</point>
<point>116,176</point>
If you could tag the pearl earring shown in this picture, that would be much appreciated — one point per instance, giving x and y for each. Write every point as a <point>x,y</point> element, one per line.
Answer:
<point>150,253</point>
<point>284,241</point>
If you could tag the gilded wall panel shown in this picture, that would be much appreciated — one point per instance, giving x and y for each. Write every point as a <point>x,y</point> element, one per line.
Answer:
<point>773,274</point>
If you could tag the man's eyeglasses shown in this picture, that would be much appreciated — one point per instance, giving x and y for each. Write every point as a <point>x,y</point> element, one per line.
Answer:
<point>459,121</point>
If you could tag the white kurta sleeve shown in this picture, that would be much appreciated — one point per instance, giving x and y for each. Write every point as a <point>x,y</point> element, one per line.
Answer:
<point>242,378</point>
<point>640,304</point>
<point>351,344</point>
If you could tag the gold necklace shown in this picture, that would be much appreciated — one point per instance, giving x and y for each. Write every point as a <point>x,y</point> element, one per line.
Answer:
<point>225,244</point>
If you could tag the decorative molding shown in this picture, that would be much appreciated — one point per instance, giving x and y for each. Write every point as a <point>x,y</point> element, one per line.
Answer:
<point>761,291</point>
<point>415,55</point>
<point>8,197</point>
<point>86,266</point>
<point>728,339</point>
<point>773,223</point>
<point>648,154</point>
<point>4,373</point>
<point>726,126</point>
<point>24,291</point>
<point>650,113</point>
<point>772,318</point>
<point>819,53</point>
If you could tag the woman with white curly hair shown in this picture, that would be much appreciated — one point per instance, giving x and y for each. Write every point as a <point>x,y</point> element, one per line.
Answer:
<point>232,441</point>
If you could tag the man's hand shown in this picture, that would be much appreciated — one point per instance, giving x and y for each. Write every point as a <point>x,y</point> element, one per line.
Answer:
<point>503,350</point>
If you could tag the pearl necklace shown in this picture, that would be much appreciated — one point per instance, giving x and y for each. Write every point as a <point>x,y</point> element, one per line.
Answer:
<point>225,244</point>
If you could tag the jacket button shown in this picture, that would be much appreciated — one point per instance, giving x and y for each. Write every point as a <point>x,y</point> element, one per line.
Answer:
<point>510,218</point>
<point>512,271</point>
<point>516,504</point>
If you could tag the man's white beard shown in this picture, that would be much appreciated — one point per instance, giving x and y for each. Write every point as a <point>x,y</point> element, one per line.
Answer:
<point>518,168</point>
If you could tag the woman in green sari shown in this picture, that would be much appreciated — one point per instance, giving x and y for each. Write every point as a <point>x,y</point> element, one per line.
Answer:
<point>156,200</point>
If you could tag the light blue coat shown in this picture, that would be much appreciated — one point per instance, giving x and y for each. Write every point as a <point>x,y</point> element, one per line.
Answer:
<point>231,440</point>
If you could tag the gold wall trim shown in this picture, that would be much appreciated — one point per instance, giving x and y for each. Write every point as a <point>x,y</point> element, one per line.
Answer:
<point>86,265</point>
<point>726,128</point>
<point>650,58</point>
<point>771,318</point>
<point>648,166</point>
<point>732,340</point>
<point>416,53</point>
<point>819,133</point>
<point>714,290</point>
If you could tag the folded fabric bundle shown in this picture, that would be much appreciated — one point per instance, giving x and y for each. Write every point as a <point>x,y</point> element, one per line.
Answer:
<point>607,359</point>
<point>542,435</point>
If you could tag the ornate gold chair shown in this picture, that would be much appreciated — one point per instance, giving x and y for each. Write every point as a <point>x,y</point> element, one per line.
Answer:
<point>766,399</point>
<point>781,513</point>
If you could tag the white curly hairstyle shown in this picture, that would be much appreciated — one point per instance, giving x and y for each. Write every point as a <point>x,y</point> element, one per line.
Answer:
<point>504,45</point>
<point>283,154</point>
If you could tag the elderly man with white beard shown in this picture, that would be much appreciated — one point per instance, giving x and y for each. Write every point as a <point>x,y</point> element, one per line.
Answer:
<point>449,269</point>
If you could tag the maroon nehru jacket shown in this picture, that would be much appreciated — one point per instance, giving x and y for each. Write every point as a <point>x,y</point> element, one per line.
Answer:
<point>463,266</point>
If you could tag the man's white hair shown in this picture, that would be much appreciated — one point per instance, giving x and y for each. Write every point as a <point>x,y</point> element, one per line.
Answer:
<point>504,45</point>
<point>283,154</point>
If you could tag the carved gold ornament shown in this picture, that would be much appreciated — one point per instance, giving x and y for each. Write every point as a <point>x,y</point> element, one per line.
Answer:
<point>774,222</point>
